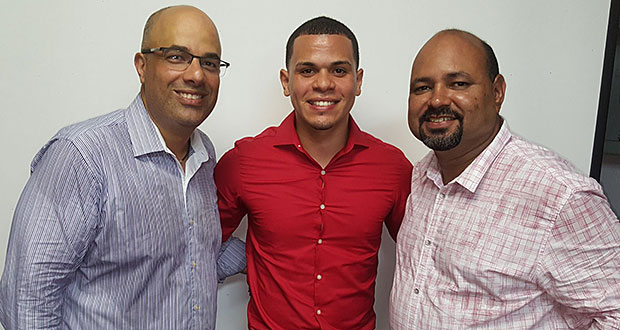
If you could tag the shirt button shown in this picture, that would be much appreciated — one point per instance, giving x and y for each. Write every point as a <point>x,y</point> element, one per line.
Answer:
<point>318,312</point>
<point>194,264</point>
<point>442,195</point>
<point>196,307</point>
<point>322,206</point>
<point>322,172</point>
<point>428,242</point>
<point>318,277</point>
<point>416,291</point>
<point>299,146</point>
<point>191,222</point>
<point>320,241</point>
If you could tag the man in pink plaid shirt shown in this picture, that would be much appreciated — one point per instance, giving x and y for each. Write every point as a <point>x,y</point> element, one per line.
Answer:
<point>499,233</point>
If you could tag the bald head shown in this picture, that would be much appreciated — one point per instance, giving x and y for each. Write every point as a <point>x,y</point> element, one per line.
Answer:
<point>488,55</point>
<point>166,20</point>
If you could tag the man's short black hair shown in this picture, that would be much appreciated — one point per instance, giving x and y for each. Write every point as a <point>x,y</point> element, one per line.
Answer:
<point>492,65</point>
<point>322,25</point>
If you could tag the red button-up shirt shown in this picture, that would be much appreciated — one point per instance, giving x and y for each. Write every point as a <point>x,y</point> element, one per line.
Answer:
<point>313,233</point>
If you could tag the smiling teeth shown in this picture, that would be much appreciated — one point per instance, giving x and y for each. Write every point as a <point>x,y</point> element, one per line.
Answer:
<point>323,103</point>
<point>190,96</point>
<point>439,120</point>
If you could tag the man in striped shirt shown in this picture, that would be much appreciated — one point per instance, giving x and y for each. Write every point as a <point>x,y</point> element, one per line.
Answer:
<point>118,227</point>
<point>498,233</point>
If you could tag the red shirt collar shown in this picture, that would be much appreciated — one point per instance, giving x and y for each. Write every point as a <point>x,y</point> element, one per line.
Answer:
<point>287,135</point>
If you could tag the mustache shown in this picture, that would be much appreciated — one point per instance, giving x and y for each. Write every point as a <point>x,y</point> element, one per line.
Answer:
<point>441,111</point>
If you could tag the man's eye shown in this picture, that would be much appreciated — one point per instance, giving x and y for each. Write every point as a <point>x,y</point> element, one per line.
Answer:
<point>420,89</point>
<point>306,71</point>
<point>340,71</point>
<point>210,64</point>
<point>460,84</point>
<point>175,58</point>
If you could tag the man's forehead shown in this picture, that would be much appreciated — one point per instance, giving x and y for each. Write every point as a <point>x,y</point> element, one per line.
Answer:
<point>311,44</point>
<point>186,26</point>
<point>450,52</point>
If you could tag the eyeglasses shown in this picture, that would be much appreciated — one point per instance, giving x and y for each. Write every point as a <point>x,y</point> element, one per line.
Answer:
<point>179,60</point>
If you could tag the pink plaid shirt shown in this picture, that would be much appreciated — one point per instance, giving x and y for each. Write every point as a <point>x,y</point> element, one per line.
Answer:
<point>519,240</point>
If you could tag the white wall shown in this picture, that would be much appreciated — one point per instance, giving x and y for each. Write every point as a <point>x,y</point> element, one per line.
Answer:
<point>65,61</point>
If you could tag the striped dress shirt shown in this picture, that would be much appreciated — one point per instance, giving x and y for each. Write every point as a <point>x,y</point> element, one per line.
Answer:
<point>519,240</point>
<point>111,233</point>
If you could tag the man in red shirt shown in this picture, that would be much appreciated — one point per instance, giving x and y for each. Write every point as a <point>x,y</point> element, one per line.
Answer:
<point>317,191</point>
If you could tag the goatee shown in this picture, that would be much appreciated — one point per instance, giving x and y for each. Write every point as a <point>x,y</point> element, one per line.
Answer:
<point>437,139</point>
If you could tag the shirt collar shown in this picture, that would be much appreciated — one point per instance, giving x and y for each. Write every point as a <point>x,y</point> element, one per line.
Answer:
<point>473,174</point>
<point>146,138</point>
<point>287,135</point>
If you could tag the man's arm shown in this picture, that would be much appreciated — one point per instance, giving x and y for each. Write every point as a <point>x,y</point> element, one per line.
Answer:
<point>401,194</point>
<point>228,185</point>
<point>51,231</point>
<point>231,259</point>
<point>580,267</point>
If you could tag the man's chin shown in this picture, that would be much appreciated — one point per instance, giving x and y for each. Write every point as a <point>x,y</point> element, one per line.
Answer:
<point>322,126</point>
<point>441,142</point>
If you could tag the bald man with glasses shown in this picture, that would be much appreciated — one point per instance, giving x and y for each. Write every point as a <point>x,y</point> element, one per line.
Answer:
<point>118,227</point>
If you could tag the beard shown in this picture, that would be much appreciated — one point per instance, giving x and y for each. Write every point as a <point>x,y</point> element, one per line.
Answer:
<point>438,140</point>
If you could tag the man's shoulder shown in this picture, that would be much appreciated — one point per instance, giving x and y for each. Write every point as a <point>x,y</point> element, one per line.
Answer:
<point>527,157</point>
<point>265,138</point>
<point>386,150</point>
<point>93,127</point>
<point>88,136</point>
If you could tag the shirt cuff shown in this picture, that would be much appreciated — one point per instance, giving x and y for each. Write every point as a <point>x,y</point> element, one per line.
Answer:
<point>231,259</point>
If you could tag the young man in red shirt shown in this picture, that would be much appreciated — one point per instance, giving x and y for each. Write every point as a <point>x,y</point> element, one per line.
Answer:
<point>317,191</point>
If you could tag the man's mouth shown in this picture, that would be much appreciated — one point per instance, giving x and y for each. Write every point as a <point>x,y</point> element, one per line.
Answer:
<point>322,103</point>
<point>440,119</point>
<point>440,115</point>
<point>190,96</point>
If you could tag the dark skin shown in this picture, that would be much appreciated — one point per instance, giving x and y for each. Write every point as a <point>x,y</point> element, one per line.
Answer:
<point>322,83</point>
<point>450,71</point>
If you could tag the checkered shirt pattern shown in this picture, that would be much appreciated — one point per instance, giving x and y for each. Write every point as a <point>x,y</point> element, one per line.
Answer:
<point>519,240</point>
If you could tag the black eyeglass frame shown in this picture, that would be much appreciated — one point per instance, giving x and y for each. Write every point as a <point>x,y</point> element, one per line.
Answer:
<point>223,64</point>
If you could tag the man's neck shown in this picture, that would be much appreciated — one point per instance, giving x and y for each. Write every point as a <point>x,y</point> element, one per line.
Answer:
<point>323,145</point>
<point>177,142</point>
<point>179,145</point>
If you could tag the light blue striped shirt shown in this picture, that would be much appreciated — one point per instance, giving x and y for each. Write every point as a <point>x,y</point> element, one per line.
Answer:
<point>110,233</point>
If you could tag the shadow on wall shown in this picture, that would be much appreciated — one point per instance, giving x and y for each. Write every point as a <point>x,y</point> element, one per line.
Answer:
<point>610,179</point>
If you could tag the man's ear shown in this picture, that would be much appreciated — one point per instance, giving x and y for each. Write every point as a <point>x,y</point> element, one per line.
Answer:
<point>499,91</point>
<point>358,82</point>
<point>139,61</point>
<point>284,80</point>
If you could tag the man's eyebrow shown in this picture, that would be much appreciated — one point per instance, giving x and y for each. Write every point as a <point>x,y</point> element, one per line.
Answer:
<point>342,63</point>
<point>211,56</point>
<point>300,64</point>
<point>205,55</point>
<point>451,75</point>
<point>459,74</point>
<point>421,80</point>
<point>311,64</point>
<point>177,47</point>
